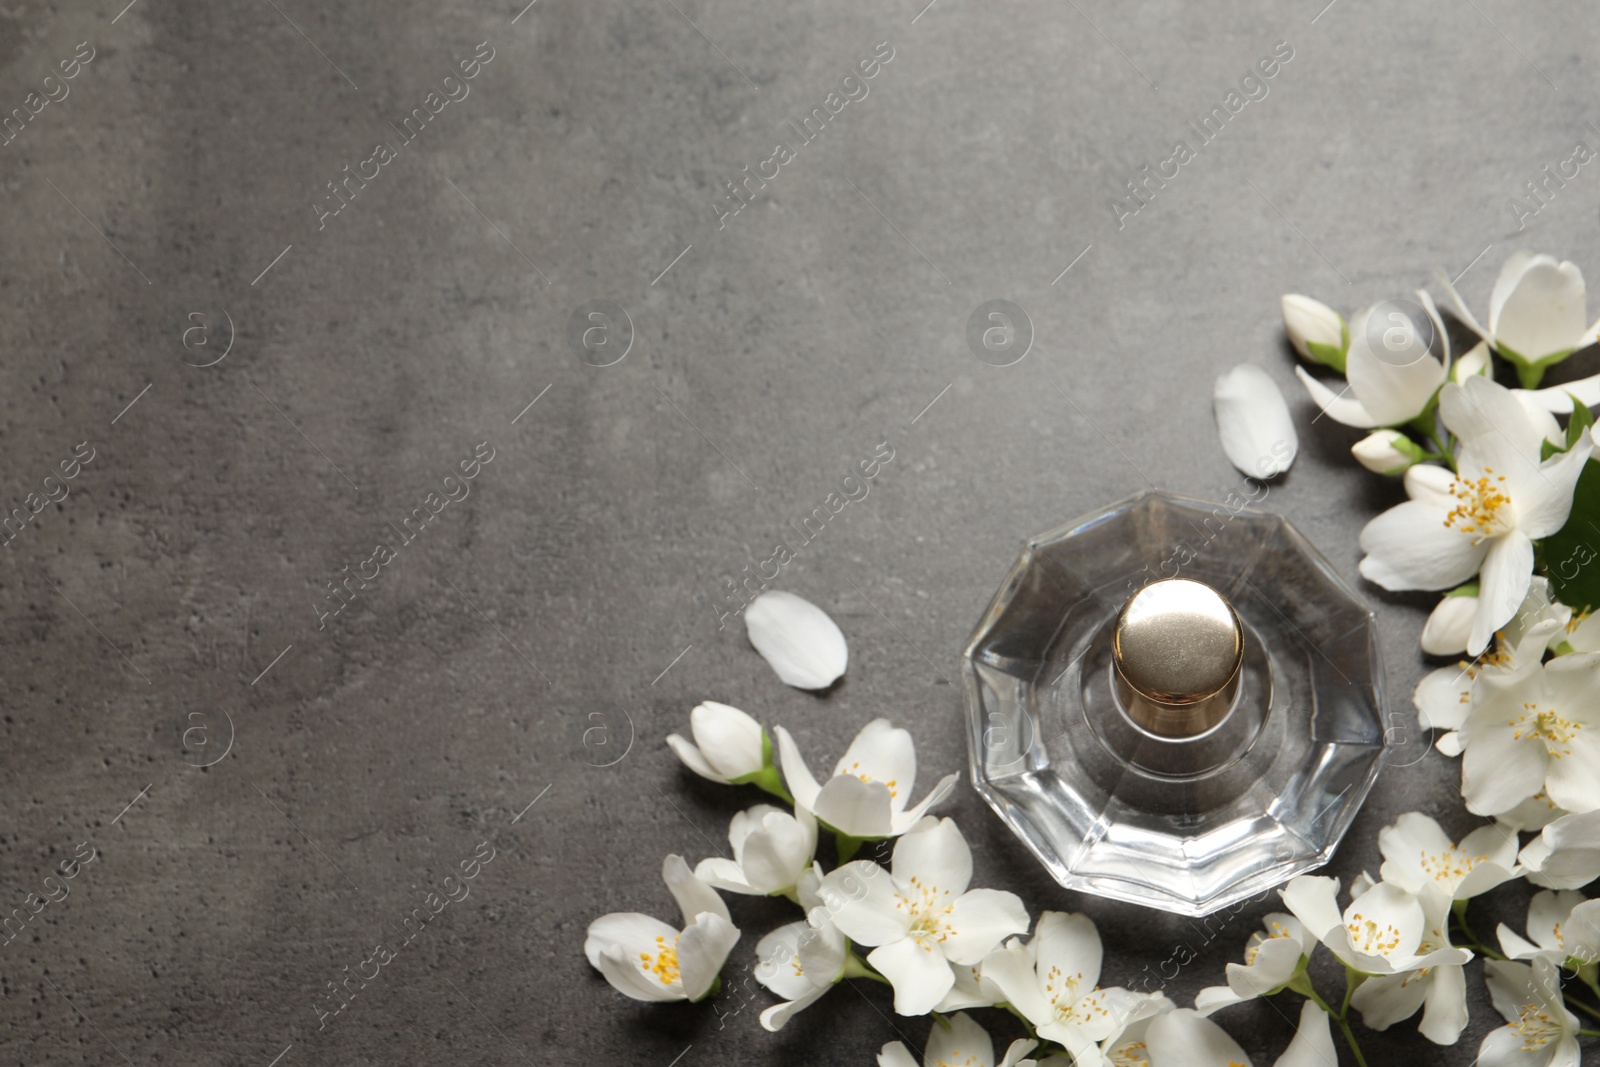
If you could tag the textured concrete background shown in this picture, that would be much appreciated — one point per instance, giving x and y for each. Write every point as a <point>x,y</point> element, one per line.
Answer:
<point>165,205</point>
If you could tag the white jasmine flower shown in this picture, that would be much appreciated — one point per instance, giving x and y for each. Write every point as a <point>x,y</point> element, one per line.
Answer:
<point>962,1043</point>
<point>1381,932</point>
<point>1566,854</point>
<point>1439,988</point>
<point>1486,516</point>
<point>1315,330</point>
<point>729,746</point>
<point>1053,980</point>
<point>1386,388</point>
<point>1534,728</point>
<point>1563,925</point>
<point>1387,452</point>
<point>920,913</point>
<point>1449,625</point>
<point>1416,852</point>
<point>644,958</point>
<point>1444,696</point>
<point>1272,957</point>
<point>1536,313</point>
<point>771,850</point>
<point>866,796</point>
<point>1542,1032</point>
<point>797,639</point>
<point>801,960</point>
<point>1258,436</point>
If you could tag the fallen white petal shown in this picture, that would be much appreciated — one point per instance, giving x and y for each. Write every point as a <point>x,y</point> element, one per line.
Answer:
<point>1253,422</point>
<point>797,639</point>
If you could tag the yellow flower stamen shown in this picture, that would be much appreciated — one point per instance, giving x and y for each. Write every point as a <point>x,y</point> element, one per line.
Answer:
<point>1478,512</point>
<point>1128,1055</point>
<point>664,965</point>
<point>1548,726</point>
<point>929,913</point>
<point>1536,1028</point>
<point>1368,937</point>
<point>1449,866</point>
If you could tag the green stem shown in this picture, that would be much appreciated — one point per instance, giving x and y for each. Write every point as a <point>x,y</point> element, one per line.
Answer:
<point>1590,1033</point>
<point>847,846</point>
<point>1427,424</point>
<point>1350,1039</point>
<point>1311,995</point>
<point>769,780</point>
<point>1458,911</point>
<point>856,967</point>
<point>1581,1006</point>
<point>1444,450</point>
<point>1301,983</point>
<point>1352,981</point>
<point>1027,1024</point>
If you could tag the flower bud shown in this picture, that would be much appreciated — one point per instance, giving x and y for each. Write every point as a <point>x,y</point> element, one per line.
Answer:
<point>1448,627</point>
<point>1316,330</point>
<point>728,744</point>
<point>1386,452</point>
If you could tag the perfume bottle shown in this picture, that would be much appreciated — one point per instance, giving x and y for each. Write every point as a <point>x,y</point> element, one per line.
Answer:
<point>1175,703</point>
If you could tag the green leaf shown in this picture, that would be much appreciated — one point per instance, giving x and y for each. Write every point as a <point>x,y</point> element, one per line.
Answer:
<point>1572,554</point>
<point>1470,589</point>
<point>1582,419</point>
<point>1548,448</point>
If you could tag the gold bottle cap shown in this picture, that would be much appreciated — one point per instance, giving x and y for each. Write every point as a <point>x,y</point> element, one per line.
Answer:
<point>1177,649</point>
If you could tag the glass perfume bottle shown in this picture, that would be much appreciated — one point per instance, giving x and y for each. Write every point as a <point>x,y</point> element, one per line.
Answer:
<point>1175,703</point>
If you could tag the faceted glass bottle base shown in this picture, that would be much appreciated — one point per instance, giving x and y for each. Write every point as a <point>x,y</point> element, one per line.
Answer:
<point>1265,795</point>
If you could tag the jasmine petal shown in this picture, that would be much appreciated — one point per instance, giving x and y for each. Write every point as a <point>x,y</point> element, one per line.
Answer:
<point>797,639</point>
<point>1253,422</point>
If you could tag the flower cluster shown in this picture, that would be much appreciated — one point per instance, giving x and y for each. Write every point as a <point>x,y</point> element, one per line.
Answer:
<point>1502,505</point>
<point>1490,476</point>
<point>1394,940</point>
<point>1502,501</point>
<point>917,925</point>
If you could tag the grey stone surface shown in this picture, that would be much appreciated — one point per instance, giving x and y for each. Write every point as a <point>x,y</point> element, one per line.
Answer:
<point>173,188</point>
